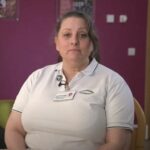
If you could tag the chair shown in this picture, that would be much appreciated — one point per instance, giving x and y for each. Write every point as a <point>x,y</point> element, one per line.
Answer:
<point>5,108</point>
<point>138,136</point>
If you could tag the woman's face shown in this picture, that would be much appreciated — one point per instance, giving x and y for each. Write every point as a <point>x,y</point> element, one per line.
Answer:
<point>72,40</point>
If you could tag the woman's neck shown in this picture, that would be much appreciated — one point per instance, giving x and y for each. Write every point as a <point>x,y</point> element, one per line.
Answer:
<point>71,69</point>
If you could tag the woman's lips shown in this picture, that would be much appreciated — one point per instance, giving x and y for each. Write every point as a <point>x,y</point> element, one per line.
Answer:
<point>74,50</point>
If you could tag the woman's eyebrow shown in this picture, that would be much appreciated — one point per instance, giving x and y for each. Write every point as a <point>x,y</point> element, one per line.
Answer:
<point>82,28</point>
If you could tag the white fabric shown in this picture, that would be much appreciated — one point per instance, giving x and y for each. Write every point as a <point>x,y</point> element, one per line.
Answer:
<point>102,99</point>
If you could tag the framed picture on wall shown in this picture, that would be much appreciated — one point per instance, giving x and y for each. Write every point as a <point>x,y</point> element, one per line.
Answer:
<point>8,9</point>
<point>86,6</point>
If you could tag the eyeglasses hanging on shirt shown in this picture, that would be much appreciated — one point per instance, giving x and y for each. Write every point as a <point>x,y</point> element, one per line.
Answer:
<point>62,82</point>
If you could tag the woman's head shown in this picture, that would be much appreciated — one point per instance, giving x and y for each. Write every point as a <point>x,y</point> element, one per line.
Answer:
<point>90,29</point>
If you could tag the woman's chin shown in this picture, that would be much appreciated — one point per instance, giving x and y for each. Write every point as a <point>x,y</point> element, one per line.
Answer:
<point>75,58</point>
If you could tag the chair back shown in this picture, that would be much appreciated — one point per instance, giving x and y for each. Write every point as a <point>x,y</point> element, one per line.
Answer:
<point>138,136</point>
<point>5,108</point>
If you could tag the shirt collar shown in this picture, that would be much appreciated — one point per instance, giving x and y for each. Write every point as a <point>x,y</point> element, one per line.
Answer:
<point>59,66</point>
<point>87,71</point>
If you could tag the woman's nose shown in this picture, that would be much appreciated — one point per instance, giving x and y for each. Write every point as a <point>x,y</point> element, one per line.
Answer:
<point>75,40</point>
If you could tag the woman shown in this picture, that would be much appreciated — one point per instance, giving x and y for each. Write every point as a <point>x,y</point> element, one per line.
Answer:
<point>77,104</point>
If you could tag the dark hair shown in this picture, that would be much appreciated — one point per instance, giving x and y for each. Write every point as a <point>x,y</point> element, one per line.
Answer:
<point>91,30</point>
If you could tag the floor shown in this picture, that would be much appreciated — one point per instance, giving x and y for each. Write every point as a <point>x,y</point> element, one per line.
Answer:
<point>147,145</point>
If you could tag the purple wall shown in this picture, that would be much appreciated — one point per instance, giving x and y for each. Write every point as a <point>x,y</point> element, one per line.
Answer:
<point>28,44</point>
<point>116,38</point>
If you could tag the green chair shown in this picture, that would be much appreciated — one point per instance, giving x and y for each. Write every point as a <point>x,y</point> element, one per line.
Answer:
<point>5,109</point>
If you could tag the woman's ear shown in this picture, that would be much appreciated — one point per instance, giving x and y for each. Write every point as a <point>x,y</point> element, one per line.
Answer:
<point>56,42</point>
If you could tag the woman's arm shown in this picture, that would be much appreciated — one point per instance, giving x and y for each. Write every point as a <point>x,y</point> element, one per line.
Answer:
<point>14,132</point>
<point>117,139</point>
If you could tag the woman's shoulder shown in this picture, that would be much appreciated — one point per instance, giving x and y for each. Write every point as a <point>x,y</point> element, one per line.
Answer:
<point>107,71</point>
<point>112,76</point>
<point>49,69</point>
<point>102,72</point>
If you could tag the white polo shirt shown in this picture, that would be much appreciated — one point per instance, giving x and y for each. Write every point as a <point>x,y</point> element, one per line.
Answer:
<point>99,98</point>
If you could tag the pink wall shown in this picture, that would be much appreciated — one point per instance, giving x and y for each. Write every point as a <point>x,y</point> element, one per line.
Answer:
<point>28,44</point>
<point>116,38</point>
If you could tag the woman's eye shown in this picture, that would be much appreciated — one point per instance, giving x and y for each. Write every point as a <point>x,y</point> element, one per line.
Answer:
<point>83,35</point>
<point>67,35</point>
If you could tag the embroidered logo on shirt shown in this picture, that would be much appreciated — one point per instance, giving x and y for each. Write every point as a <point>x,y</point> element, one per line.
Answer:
<point>86,92</point>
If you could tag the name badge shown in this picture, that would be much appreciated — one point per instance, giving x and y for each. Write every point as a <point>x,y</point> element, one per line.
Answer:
<point>64,95</point>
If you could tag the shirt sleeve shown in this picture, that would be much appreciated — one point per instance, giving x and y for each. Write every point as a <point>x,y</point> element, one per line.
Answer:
<point>119,104</point>
<point>24,93</point>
